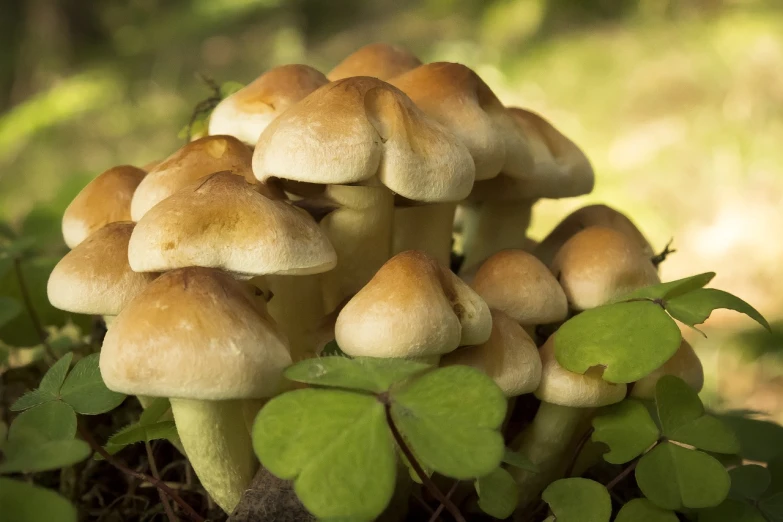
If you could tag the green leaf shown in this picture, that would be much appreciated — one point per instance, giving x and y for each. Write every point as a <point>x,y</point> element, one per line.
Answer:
<point>674,477</point>
<point>629,339</point>
<point>138,433</point>
<point>731,511</point>
<point>642,510</point>
<point>628,430</point>
<point>695,307</point>
<point>49,389</point>
<point>759,438</point>
<point>670,289</point>
<point>153,413</point>
<point>684,420</point>
<point>775,469</point>
<point>497,492</point>
<point>578,500</point>
<point>9,308</point>
<point>85,391</point>
<point>336,447</point>
<point>31,399</point>
<point>361,373</point>
<point>23,502</point>
<point>229,88</point>
<point>749,482</point>
<point>450,419</point>
<point>516,459</point>
<point>772,507</point>
<point>51,421</point>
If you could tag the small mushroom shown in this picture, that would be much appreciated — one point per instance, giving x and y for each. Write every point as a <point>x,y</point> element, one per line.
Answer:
<point>378,60</point>
<point>104,200</point>
<point>246,113</point>
<point>684,364</point>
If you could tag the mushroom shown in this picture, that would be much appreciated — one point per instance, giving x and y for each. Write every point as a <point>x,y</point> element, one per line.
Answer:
<point>104,200</point>
<point>378,60</point>
<point>509,357</point>
<point>196,336</point>
<point>518,284</point>
<point>498,211</point>
<point>456,97</point>
<point>221,221</point>
<point>247,112</point>
<point>412,308</point>
<point>589,216</point>
<point>360,139</point>
<point>600,264</point>
<point>567,399</point>
<point>195,160</point>
<point>684,364</point>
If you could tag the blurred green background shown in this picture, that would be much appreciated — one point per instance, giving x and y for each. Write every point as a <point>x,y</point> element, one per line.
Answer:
<point>679,105</point>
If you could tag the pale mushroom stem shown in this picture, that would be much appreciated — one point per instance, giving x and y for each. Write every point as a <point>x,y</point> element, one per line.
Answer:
<point>427,228</point>
<point>218,446</point>
<point>360,230</point>
<point>297,307</point>
<point>489,228</point>
<point>544,443</point>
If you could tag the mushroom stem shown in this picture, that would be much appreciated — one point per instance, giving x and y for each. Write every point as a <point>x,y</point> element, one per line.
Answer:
<point>360,229</point>
<point>489,228</point>
<point>218,445</point>
<point>544,442</point>
<point>297,307</point>
<point>427,228</point>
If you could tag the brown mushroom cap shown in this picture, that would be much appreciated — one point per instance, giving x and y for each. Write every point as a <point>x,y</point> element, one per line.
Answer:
<point>352,130</point>
<point>413,307</point>
<point>223,222</point>
<point>518,284</point>
<point>600,264</point>
<point>95,277</point>
<point>684,364</point>
<point>247,112</point>
<point>379,60</point>
<point>560,386</point>
<point>589,216</point>
<point>104,200</point>
<point>194,333</point>
<point>509,357</point>
<point>195,160</point>
<point>456,97</point>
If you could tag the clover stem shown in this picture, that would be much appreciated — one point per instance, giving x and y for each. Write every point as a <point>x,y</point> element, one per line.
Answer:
<point>425,479</point>
<point>31,311</point>
<point>489,228</point>
<point>426,228</point>
<point>624,473</point>
<point>218,446</point>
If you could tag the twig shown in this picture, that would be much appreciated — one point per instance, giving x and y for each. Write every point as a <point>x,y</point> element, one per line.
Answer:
<point>657,259</point>
<point>204,106</point>
<point>624,473</point>
<point>425,479</point>
<point>441,507</point>
<point>582,441</point>
<point>154,469</point>
<point>28,304</point>
<point>141,476</point>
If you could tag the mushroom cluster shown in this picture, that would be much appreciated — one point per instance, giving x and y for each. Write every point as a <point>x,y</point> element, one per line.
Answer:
<point>322,207</point>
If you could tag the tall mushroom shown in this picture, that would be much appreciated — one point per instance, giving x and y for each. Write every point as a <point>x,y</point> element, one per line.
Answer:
<point>104,200</point>
<point>412,308</point>
<point>378,60</point>
<point>193,161</point>
<point>456,97</point>
<point>196,336</point>
<point>247,112</point>
<point>497,214</point>
<point>360,140</point>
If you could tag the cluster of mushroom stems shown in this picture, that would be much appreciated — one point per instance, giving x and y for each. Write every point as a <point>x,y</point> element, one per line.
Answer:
<point>322,208</point>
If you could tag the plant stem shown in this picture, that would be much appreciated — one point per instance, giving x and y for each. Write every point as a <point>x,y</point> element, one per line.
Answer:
<point>97,448</point>
<point>442,506</point>
<point>624,473</point>
<point>580,445</point>
<point>425,479</point>
<point>31,312</point>
<point>154,469</point>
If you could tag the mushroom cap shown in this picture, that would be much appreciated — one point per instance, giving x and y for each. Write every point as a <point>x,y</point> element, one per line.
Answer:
<point>413,307</point>
<point>378,60</point>
<point>456,97</point>
<point>194,333</point>
<point>195,160</point>
<point>684,364</point>
<point>247,112</point>
<point>521,286</point>
<point>589,216</point>
<point>560,386</point>
<point>221,221</point>
<point>353,130</point>
<point>600,264</point>
<point>510,357</point>
<point>104,200</point>
<point>95,277</point>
